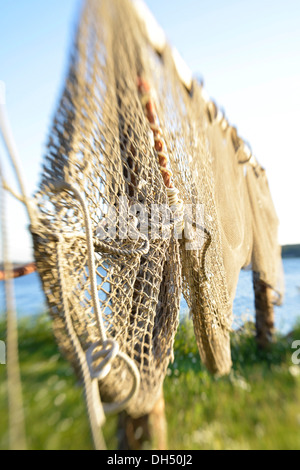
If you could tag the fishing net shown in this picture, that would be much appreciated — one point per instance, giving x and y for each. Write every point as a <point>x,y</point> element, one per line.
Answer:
<point>266,256</point>
<point>122,104</point>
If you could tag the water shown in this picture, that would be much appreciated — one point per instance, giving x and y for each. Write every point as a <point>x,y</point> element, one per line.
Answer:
<point>285,316</point>
<point>30,299</point>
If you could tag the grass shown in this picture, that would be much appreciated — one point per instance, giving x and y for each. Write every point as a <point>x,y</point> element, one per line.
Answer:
<point>256,407</point>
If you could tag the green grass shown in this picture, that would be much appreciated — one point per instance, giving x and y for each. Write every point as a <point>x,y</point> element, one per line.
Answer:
<point>256,407</point>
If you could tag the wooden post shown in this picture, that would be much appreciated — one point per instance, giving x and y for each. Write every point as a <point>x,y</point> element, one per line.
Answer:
<point>146,432</point>
<point>264,312</point>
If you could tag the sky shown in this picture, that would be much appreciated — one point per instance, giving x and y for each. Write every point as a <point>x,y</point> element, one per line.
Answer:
<point>247,52</point>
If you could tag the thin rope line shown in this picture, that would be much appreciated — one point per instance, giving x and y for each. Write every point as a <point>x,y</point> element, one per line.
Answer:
<point>92,407</point>
<point>17,439</point>
<point>63,186</point>
<point>113,407</point>
<point>11,147</point>
<point>106,248</point>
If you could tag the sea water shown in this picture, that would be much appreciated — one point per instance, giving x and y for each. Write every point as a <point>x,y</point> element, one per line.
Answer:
<point>30,299</point>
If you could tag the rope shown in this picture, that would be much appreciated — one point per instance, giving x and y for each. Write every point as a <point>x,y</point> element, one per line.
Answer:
<point>105,248</point>
<point>14,159</point>
<point>94,408</point>
<point>15,401</point>
<point>109,347</point>
<point>175,203</point>
<point>17,439</point>
<point>63,186</point>
<point>12,192</point>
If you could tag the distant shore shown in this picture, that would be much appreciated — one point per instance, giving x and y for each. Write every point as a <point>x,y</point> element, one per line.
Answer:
<point>291,251</point>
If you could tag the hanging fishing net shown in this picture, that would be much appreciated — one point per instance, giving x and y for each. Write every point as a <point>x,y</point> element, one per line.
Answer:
<point>129,138</point>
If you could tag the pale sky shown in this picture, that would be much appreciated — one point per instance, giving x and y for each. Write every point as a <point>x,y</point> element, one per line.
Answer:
<point>248,53</point>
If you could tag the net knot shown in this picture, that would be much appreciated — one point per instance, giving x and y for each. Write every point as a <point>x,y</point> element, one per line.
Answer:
<point>100,356</point>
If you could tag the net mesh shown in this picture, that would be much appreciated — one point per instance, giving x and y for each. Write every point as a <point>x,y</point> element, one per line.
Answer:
<point>101,142</point>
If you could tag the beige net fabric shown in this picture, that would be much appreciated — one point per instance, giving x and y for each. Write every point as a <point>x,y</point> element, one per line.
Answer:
<point>266,256</point>
<point>101,143</point>
<point>233,208</point>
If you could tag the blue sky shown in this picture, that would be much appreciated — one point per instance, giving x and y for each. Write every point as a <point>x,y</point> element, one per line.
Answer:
<point>248,53</point>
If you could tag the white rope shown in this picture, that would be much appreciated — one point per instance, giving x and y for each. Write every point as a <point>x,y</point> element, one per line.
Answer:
<point>17,439</point>
<point>13,153</point>
<point>109,348</point>
<point>93,402</point>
